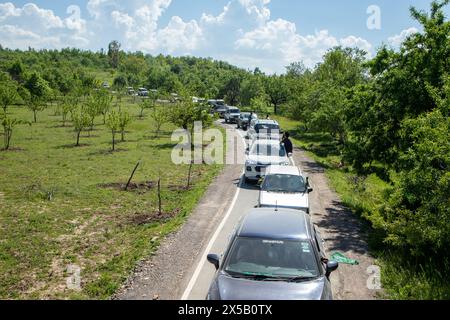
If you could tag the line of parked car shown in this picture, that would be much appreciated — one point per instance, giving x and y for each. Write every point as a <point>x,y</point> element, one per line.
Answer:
<point>275,252</point>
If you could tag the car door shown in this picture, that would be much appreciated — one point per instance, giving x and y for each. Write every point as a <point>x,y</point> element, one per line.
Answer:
<point>319,243</point>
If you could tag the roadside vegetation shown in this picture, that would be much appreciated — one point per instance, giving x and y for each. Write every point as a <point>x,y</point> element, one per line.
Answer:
<point>380,128</point>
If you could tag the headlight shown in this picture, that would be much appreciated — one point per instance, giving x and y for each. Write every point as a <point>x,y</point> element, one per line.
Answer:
<point>251,163</point>
<point>285,163</point>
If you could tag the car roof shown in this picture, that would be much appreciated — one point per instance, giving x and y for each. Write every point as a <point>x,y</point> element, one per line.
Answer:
<point>266,122</point>
<point>232,108</point>
<point>266,141</point>
<point>276,224</point>
<point>291,170</point>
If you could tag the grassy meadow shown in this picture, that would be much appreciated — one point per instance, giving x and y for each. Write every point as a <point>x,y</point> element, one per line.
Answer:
<point>63,205</point>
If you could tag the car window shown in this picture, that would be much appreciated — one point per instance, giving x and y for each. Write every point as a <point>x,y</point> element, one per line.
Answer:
<point>266,127</point>
<point>284,183</point>
<point>269,150</point>
<point>252,256</point>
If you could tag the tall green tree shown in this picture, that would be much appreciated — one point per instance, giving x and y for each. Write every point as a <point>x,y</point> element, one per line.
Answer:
<point>114,53</point>
<point>277,91</point>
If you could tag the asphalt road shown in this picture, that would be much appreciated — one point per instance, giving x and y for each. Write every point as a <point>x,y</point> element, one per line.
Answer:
<point>246,198</point>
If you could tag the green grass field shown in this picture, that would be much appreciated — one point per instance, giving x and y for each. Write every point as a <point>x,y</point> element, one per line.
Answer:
<point>401,278</point>
<point>63,205</point>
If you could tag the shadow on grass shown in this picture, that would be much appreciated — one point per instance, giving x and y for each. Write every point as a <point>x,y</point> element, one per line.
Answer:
<point>73,146</point>
<point>165,146</point>
<point>107,152</point>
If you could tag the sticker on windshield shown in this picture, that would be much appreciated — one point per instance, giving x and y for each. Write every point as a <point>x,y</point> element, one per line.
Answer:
<point>305,247</point>
<point>273,242</point>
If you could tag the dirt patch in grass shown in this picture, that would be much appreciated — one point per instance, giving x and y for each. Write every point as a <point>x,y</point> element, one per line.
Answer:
<point>12,149</point>
<point>148,218</point>
<point>140,186</point>
<point>178,188</point>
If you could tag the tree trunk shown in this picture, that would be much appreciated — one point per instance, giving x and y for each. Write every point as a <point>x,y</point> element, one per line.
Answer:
<point>113,140</point>
<point>132,175</point>
<point>159,197</point>
<point>34,114</point>
<point>78,138</point>
<point>189,174</point>
<point>123,136</point>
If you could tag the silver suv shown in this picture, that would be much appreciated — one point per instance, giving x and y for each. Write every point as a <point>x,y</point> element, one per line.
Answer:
<point>232,115</point>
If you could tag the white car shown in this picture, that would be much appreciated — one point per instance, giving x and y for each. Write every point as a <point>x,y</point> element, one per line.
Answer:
<point>285,187</point>
<point>262,154</point>
<point>264,129</point>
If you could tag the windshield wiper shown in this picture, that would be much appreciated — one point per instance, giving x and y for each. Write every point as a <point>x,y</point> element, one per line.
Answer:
<point>301,279</point>
<point>257,277</point>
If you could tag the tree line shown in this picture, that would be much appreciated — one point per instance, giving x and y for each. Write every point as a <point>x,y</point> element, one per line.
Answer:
<point>389,112</point>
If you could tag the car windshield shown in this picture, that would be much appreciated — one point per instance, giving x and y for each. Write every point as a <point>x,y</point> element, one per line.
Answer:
<point>266,128</point>
<point>271,258</point>
<point>268,150</point>
<point>234,111</point>
<point>284,183</point>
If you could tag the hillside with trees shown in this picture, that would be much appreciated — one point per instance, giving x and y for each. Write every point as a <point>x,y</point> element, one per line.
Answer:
<point>385,117</point>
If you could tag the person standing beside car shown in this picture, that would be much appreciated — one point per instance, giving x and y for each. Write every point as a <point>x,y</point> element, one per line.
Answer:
<point>288,144</point>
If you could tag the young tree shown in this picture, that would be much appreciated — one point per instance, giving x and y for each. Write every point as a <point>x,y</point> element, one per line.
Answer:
<point>92,109</point>
<point>8,125</point>
<point>113,123</point>
<point>124,121</point>
<point>159,117</point>
<point>145,104</point>
<point>69,104</point>
<point>103,100</point>
<point>35,104</point>
<point>35,93</point>
<point>8,94</point>
<point>81,121</point>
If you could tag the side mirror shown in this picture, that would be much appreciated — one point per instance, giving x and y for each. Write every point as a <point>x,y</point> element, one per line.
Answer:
<point>310,190</point>
<point>214,259</point>
<point>331,266</point>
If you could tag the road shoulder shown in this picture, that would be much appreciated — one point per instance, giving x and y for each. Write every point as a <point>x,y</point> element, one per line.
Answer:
<point>342,232</point>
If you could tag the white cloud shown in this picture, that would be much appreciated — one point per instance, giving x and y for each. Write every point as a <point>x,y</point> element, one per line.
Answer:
<point>180,36</point>
<point>31,26</point>
<point>242,32</point>
<point>279,40</point>
<point>397,40</point>
<point>352,42</point>
<point>257,9</point>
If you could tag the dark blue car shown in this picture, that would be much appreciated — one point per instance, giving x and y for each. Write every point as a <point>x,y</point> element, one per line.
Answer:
<point>273,255</point>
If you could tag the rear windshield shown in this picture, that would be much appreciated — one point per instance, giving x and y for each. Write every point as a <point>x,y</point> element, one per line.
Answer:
<point>267,127</point>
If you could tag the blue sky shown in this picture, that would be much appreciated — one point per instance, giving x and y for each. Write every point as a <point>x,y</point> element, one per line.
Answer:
<point>268,34</point>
